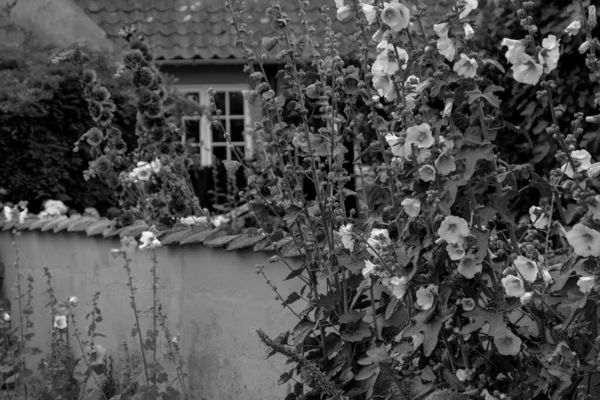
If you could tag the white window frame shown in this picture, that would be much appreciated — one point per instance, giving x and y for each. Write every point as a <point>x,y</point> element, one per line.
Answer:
<point>205,135</point>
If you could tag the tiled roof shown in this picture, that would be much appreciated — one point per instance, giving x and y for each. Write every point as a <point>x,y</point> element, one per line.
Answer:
<point>198,29</point>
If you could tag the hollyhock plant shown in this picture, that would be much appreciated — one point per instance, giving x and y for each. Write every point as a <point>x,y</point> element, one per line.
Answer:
<point>345,233</point>
<point>453,229</point>
<point>395,15</point>
<point>466,67</point>
<point>584,162</point>
<point>585,241</point>
<point>426,296</point>
<point>412,207</point>
<point>528,269</point>
<point>527,70</point>
<point>513,286</point>
<point>586,283</point>
<point>427,173</point>
<point>420,136</point>
<point>469,267</point>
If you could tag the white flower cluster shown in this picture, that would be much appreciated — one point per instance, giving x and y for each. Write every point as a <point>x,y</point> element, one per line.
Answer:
<point>144,170</point>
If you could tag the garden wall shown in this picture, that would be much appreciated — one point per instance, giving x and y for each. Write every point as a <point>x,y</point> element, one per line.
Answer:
<point>214,300</point>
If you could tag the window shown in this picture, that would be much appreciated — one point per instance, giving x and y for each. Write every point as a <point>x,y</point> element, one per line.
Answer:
<point>205,140</point>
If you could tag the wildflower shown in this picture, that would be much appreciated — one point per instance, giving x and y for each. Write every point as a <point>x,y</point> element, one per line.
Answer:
<point>550,53</point>
<point>453,229</point>
<point>384,64</point>
<point>142,172</point>
<point>516,50</point>
<point>427,173</point>
<point>6,317</point>
<point>573,28</point>
<point>526,298</point>
<point>527,71</point>
<point>60,321</point>
<point>190,221</point>
<point>369,269</point>
<point>23,215</point>
<point>469,32</point>
<point>345,233</point>
<point>445,164</point>
<point>467,303</point>
<point>420,135</point>
<point>470,5</point>
<point>155,166</point>
<point>397,286</point>
<point>585,241</point>
<point>395,15</point>
<point>219,220</point>
<point>412,207</point>
<point>513,286</point>
<point>586,283</point>
<point>370,12</point>
<point>546,276</point>
<point>466,67</point>
<point>446,48</point>
<point>426,296</point>
<point>507,343</point>
<point>527,268</point>
<point>344,12</point>
<point>455,250</point>
<point>384,85</point>
<point>73,301</point>
<point>148,240</point>
<point>379,239</point>
<point>468,266</point>
<point>538,218</point>
<point>417,340</point>
<point>8,213</point>
<point>462,374</point>
<point>584,160</point>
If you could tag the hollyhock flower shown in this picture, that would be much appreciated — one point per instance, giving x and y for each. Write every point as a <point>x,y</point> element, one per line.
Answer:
<point>23,215</point>
<point>344,12</point>
<point>513,286</point>
<point>60,321</point>
<point>384,85</point>
<point>53,208</point>
<point>526,298</point>
<point>586,283</point>
<point>527,268</point>
<point>445,144</point>
<point>345,233</point>
<point>583,158</point>
<point>412,207</point>
<point>219,220</point>
<point>538,218</point>
<point>585,46</point>
<point>441,29</point>
<point>379,239</point>
<point>370,12</point>
<point>427,173</point>
<point>573,28</point>
<point>156,166</point>
<point>191,221</point>
<point>395,145</point>
<point>467,303</point>
<point>128,245</point>
<point>507,343</point>
<point>595,207</point>
<point>422,155</point>
<point>142,172</point>
<point>466,67</point>
<point>453,229</point>
<point>516,50</point>
<point>445,164</point>
<point>469,32</point>
<point>456,251</point>
<point>462,374</point>
<point>550,53</point>
<point>468,266</point>
<point>8,212</point>
<point>395,15</point>
<point>470,5</point>
<point>546,276</point>
<point>446,48</point>
<point>397,286</point>
<point>585,241</point>
<point>420,136</point>
<point>96,354</point>
<point>417,340</point>
<point>148,240</point>
<point>527,71</point>
<point>426,296</point>
<point>411,83</point>
<point>6,317</point>
<point>73,301</point>
<point>385,65</point>
<point>369,269</point>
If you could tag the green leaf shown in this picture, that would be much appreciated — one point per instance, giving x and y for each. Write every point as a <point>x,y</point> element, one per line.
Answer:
<point>363,331</point>
<point>351,317</point>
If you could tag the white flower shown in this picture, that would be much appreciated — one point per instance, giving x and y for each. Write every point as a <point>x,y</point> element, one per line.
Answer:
<point>420,136</point>
<point>538,218</point>
<point>23,215</point>
<point>8,213</point>
<point>462,374</point>
<point>344,12</point>
<point>468,266</point>
<point>395,15</point>
<point>527,268</point>
<point>73,301</point>
<point>6,317</point>
<point>156,166</point>
<point>148,240</point>
<point>190,221</point>
<point>583,158</point>
<point>470,5</point>
<point>384,86</point>
<point>507,343</point>
<point>453,229</point>
<point>469,32</point>
<point>595,207</point>
<point>585,46</point>
<point>60,321</point>
<point>219,220</point>
<point>412,207</point>
<point>527,71</point>
<point>445,164</point>
<point>573,28</point>
<point>513,286</point>
<point>546,276</point>
<point>466,67</point>
<point>370,12</point>
<point>456,251</point>
<point>526,298</point>
<point>369,269</point>
<point>427,173</point>
<point>487,396</point>
<point>516,50</point>
<point>585,241</point>
<point>397,286</point>
<point>397,147</point>
<point>142,172</point>
<point>446,48</point>
<point>426,296</point>
<point>379,239</point>
<point>467,303</point>
<point>586,283</point>
<point>441,29</point>
<point>345,233</point>
<point>550,53</point>
<point>53,208</point>
<point>384,64</point>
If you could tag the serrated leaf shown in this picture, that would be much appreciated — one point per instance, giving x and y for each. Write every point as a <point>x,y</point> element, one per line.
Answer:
<point>98,227</point>
<point>82,224</point>
<point>363,331</point>
<point>200,236</point>
<point>244,241</point>
<point>220,241</point>
<point>134,230</point>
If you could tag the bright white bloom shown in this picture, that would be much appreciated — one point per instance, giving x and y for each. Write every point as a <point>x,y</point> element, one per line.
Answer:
<point>384,86</point>
<point>148,240</point>
<point>156,166</point>
<point>470,5</point>
<point>445,144</point>
<point>190,221</point>
<point>445,164</point>
<point>546,276</point>
<point>420,136</point>
<point>53,208</point>
<point>539,219</point>
<point>60,321</point>
<point>395,15</point>
<point>595,207</point>
<point>467,303</point>
<point>462,374</point>
<point>468,266</point>
<point>528,71</point>
<point>507,343</point>
<point>8,213</point>
<point>441,29</point>
<point>513,286</point>
<point>370,12</point>
<point>368,269</point>
<point>585,46</point>
<point>585,241</point>
<point>142,172</point>
<point>379,239</point>
<point>6,317</point>
<point>385,65</point>
<point>586,283</point>
<point>446,48</point>
<point>469,32</point>
<point>344,12</point>
<point>427,173</point>
<point>583,157</point>
<point>412,207</point>
<point>397,286</point>
<point>73,301</point>
<point>466,67</point>
<point>396,146</point>
<point>426,296</point>
<point>23,215</point>
<point>453,229</point>
<point>550,53</point>
<point>573,28</point>
<point>456,251</point>
<point>527,268</point>
<point>345,233</point>
<point>526,298</point>
<point>516,50</point>
<point>219,220</point>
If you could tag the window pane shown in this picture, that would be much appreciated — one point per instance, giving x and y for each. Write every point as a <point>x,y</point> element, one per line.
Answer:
<point>236,103</point>
<point>237,130</point>
<point>220,102</point>
<point>217,131</point>
<point>195,97</point>
<point>192,129</point>
<point>219,153</point>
